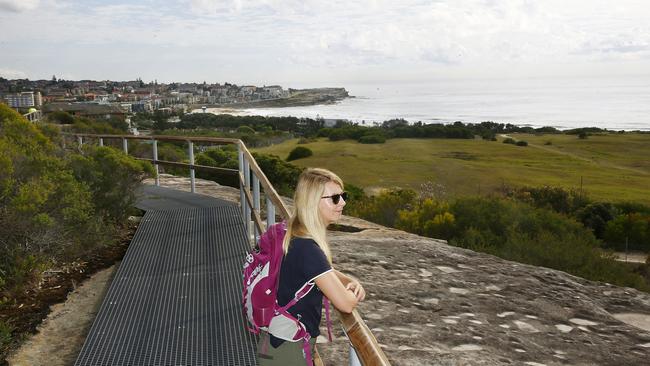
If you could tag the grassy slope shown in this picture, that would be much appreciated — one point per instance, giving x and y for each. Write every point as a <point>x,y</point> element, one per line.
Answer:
<point>613,167</point>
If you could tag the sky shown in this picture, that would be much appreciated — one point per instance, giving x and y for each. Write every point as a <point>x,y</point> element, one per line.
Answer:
<point>322,43</point>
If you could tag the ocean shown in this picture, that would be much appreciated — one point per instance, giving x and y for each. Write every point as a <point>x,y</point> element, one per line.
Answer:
<point>612,103</point>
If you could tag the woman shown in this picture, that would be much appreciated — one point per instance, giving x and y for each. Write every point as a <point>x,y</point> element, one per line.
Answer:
<point>318,202</point>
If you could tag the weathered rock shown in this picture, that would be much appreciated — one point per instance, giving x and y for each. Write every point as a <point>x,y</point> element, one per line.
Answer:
<point>429,303</point>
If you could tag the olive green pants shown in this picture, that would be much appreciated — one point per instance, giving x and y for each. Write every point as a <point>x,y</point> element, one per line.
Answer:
<point>288,354</point>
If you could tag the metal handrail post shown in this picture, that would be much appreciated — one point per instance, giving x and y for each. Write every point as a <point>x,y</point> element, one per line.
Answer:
<point>270,212</point>
<point>247,186</point>
<point>242,199</point>
<point>354,359</point>
<point>191,151</point>
<point>125,146</point>
<point>155,161</point>
<point>256,203</point>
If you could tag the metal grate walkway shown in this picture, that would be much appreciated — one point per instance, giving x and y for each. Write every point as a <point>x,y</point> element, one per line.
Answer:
<point>175,300</point>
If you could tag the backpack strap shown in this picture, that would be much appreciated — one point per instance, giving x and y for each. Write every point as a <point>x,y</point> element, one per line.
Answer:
<point>327,318</point>
<point>302,292</point>
<point>306,349</point>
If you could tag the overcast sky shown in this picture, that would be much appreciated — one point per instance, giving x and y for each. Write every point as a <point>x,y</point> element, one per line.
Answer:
<point>329,42</point>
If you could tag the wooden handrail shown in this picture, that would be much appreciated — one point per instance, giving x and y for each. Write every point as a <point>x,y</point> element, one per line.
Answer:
<point>360,336</point>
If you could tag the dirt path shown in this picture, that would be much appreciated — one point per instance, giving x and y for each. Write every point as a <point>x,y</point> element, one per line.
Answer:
<point>61,336</point>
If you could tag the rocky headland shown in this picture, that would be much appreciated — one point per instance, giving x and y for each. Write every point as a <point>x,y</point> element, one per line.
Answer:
<point>297,97</point>
<point>429,303</point>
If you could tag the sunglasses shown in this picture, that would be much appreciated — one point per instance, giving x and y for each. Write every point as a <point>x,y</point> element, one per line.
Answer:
<point>337,197</point>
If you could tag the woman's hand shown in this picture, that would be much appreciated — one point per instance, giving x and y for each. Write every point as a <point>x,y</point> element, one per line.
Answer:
<point>357,289</point>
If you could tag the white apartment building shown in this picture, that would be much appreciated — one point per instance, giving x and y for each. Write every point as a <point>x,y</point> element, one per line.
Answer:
<point>24,99</point>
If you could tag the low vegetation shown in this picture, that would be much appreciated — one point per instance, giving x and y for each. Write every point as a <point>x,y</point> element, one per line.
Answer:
<point>534,232</point>
<point>55,205</point>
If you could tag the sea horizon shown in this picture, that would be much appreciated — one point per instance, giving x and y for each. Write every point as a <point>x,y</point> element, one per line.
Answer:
<point>621,103</point>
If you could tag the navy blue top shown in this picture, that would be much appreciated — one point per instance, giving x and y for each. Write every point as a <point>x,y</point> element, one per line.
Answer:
<point>303,262</point>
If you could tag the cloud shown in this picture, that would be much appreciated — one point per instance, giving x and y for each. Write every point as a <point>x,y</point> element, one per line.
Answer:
<point>18,6</point>
<point>246,36</point>
<point>12,74</point>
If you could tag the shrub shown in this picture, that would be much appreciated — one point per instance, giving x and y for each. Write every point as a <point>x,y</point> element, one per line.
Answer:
<point>595,217</point>
<point>299,152</point>
<point>112,177</point>
<point>383,208</point>
<point>521,143</point>
<point>86,125</point>
<point>509,140</point>
<point>372,139</point>
<point>283,175</point>
<point>631,230</point>
<point>557,199</point>
<point>60,117</point>
<point>47,209</point>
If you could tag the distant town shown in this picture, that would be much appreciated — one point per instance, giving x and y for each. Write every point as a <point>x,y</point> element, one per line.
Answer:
<point>120,99</point>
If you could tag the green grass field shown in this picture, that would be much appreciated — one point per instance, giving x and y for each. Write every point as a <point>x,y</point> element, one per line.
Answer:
<point>612,167</point>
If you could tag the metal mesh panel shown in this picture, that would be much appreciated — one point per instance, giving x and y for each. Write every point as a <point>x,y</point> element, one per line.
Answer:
<point>175,300</point>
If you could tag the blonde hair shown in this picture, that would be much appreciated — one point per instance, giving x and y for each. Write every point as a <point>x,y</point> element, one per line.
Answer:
<point>306,220</point>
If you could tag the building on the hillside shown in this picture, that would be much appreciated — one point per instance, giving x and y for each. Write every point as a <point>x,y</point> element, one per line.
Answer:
<point>90,110</point>
<point>273,91</point>
<point>247,90</point>
<point>57,95</point>
<point>142,106</point>
<point>24,99</point>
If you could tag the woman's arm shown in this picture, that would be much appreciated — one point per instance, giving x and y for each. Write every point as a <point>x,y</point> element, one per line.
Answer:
<point>353,284</point>
<point>342,298</point>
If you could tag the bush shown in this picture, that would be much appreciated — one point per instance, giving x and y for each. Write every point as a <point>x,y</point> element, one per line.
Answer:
<point>299,153</point>
<point>631,230</point>
<point>372,139</point>
<point>112,177</point>
<point>86,125</point>
<point>557,199</point>
<point>521,143</point>
<point>384,207</point>
<point>47,209</point>
<point>283,175</point>
<point>60,117</point>
<point>509,140</point>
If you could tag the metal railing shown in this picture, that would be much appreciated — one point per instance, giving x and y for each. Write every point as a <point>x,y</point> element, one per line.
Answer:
<point>33,116</point>
<point>252,184</point>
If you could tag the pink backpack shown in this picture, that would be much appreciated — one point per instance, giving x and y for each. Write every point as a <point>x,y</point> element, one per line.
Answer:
<point>259,294</point>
